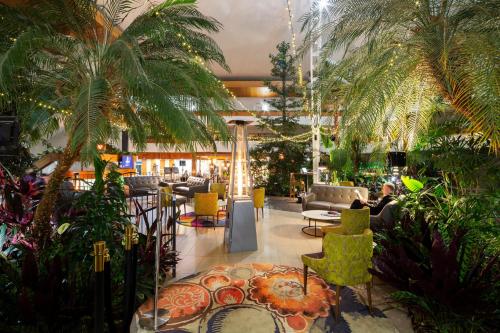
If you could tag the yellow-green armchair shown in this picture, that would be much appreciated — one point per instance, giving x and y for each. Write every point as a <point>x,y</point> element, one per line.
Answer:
<point>205,204</point>
<point>352,222</point>
<point>167,190</point>
<point>344,262</point>
<point>259,194</point>
<point>220,189</point>
<point>346,183</point>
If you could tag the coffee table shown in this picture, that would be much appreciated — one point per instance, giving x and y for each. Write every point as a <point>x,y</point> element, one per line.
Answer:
<point>318,215</point>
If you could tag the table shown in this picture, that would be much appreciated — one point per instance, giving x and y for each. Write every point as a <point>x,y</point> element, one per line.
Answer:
<point>318,215</point>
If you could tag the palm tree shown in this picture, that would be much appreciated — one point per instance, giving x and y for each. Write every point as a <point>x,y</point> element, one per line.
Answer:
<point>401,56</point>
<point>69,64</point>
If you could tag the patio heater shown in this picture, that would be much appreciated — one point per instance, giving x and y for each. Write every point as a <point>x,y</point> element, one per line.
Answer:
<point>240,233</point>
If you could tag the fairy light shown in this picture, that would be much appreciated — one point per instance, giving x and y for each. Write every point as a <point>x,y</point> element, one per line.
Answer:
<point>185,43</point>
<point>41,104</point>
<point>294,39</point>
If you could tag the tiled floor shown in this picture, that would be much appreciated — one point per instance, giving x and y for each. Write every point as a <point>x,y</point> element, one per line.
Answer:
<point>280,241</point>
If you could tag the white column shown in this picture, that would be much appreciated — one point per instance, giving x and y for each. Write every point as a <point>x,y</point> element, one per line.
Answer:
<point>315,53</point>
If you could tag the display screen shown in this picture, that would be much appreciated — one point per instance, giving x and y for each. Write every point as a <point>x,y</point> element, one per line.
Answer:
<point>126,162</point>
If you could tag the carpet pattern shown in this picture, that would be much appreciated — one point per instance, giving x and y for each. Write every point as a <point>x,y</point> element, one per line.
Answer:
<point>190,220</point>
<point>255,298</point>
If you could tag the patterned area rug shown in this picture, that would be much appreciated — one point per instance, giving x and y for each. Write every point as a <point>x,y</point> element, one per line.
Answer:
<point>257,298</point>
<point>190,220</point>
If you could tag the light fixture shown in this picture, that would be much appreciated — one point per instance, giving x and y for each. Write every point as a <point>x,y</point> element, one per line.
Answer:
<point>101,147</point>
<point>240,233</point>
<point>265,106</point>
<point>323,4</point>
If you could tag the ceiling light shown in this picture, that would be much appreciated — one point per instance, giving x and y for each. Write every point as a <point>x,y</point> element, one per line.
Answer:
<point>323,4</point>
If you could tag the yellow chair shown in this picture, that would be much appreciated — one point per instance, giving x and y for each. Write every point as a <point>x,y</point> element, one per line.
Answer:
<point>167,190</point>
<point>259,195</point>
<point>205,204</point>
<point>352,222</point>
<point>220,189</point>
<point>344,261</point>
<point>346,183</point>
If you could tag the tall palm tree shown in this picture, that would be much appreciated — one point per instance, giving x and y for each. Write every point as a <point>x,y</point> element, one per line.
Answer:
<point>66,65</point>
<point>401,56</point>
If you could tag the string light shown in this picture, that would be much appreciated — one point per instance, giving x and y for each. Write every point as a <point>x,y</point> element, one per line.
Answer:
<point>41,104</point>
<point>294,40</point>
<point>297,138</point>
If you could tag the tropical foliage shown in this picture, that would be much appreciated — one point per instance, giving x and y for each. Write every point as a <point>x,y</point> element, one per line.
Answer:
<point>273,162</point>
<point>284,70</point>
<point>442,253</point>
<point>47,289</point>
<point>402,59</point>
<point>70,63</point>
<point>466,160</point>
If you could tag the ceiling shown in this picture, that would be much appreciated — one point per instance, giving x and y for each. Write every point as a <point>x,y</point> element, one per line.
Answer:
<point>252,29</point>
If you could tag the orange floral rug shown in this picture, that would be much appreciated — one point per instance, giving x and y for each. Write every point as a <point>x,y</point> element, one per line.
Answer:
<point>252,298</point>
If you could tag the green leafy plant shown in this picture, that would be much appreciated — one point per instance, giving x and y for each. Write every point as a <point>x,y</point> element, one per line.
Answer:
<point>278,160</point>
<point>413,185</point>
<point>97,80</point>
<point>465,159</point>
<point>442,253</point>
<point>402,58</point>
<point>284,70</point>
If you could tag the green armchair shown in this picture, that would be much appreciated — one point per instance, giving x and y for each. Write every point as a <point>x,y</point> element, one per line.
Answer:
<point>352,222</point>
<point>344,262</point>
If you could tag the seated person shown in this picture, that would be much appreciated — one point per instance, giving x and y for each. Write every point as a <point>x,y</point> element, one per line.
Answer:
<point>376,206</point>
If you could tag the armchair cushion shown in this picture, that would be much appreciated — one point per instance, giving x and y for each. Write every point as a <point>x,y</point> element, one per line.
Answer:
<point>205,204</point>
<point>346,259</point>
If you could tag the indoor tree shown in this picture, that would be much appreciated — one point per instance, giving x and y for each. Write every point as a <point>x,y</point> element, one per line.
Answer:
<point>275,159</point>
<point>284,74</point>
<point>395,50</point>
<point>69,64</point>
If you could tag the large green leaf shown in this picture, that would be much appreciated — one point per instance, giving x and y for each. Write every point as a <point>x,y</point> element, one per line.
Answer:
<point>412,184</point>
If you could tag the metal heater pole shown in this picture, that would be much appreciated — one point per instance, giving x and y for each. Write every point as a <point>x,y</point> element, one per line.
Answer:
<point>159,228</point>
<point>99,249</point>
<point>174,244</point>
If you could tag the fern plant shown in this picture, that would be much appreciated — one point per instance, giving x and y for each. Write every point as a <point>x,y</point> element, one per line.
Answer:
<point>402,58</point>
<point>70,64</point>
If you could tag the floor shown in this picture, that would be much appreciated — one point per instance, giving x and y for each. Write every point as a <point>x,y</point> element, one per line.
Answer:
<point>284,203</point>
<point>280,241</point>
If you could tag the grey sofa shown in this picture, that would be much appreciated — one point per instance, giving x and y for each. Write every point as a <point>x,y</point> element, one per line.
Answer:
<point>385,217</point>
<point>326,197</point>
<point>191,186</point>
<point>141,185</point>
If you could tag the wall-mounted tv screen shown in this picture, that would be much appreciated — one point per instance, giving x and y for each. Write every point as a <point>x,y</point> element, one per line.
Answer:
<point>182,163</point>
<point>126,162</point>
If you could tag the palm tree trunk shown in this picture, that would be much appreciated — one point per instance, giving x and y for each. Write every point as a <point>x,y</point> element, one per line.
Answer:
<point>42,228</point>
